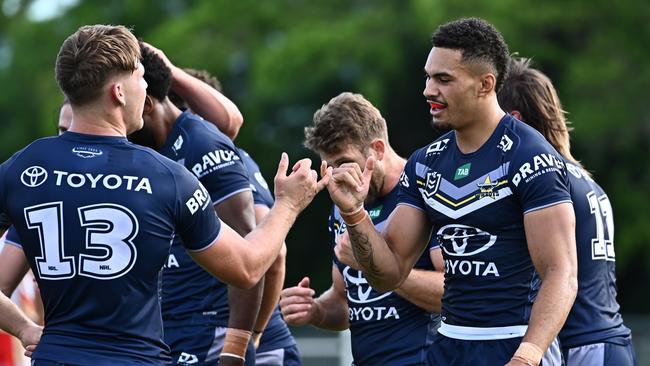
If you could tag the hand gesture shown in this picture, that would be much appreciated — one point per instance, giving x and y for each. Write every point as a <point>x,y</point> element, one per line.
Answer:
<point>349,186</point>
<point>343,251</point>
<point>297,304</point>
<point>299,188</point>
<point>29,337</point>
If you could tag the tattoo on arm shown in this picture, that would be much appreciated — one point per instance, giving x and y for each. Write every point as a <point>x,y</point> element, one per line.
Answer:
<point>363,253</point>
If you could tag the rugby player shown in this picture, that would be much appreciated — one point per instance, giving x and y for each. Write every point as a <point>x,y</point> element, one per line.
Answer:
<point>494,193</point>
<point>387,328</point>
<point>275,346</point>
<point>594,333</point>
<point>122,204</point>
<point>201,314</point>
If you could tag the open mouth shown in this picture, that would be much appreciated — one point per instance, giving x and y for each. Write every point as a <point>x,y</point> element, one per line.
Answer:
<point>436,106</point>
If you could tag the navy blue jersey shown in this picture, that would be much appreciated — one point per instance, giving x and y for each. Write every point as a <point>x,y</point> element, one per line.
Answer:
<point>261,193</point>
<point>189,293</point>
<point>595,315</point>
<point>277,334</point>
<point>385,328</point>
<point>476,203</point>
<point>12,237</point>
<point>96,216</point>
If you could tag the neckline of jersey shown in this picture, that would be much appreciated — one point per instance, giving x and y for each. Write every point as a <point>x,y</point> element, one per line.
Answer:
<point>87,138</point>
<point>487,144</point>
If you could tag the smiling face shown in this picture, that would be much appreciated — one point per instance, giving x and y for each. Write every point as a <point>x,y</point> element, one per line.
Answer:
<point>451,89</point>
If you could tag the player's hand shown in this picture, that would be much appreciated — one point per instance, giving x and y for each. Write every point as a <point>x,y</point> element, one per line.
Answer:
<point>517,362</point>
<point>299,188</point>
<point>29,337</point>
<point>343,251</point>
<point>160,54</point>
<point>349,185</point>
<point>297,304</point>
<point>230,361</point>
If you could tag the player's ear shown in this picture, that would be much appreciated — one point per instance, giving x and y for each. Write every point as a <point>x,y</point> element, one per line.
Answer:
<point>515,113</point>
<point>488,84</point>
<point>379,146</point>
<point>148,105</point>
<point>117,93</point>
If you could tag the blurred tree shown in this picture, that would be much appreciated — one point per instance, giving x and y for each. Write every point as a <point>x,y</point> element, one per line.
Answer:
<point>282,60</point>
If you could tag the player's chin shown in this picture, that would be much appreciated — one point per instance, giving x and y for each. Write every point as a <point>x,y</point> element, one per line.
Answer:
<point>440,124</point>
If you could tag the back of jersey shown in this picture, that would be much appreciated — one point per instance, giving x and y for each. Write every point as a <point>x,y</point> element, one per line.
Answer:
<point>595,315</point>
<point>95,216</point>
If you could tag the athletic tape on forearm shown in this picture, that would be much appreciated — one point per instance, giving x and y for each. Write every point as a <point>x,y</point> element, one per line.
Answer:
<point>354,218</point>
<point>529,353</point>
<point>236,343</point>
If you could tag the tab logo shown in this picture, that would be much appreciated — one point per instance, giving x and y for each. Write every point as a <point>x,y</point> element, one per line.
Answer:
<point>375,212</point>
<point>462,171</point>
<point>33,176</point>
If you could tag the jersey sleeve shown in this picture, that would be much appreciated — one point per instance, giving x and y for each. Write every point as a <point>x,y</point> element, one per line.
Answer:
<point>197,222</point>
<point>539,179</point>
<point>411,179</point>
<point>219,167</point>
<point>12,238</point>
<point>5,221</point>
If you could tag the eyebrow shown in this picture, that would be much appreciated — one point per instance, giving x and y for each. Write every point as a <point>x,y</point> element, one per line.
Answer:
<point>438,74</point>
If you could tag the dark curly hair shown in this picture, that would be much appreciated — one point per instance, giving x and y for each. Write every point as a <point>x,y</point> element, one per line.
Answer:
<point>157,75</point>
<point>478,40</point>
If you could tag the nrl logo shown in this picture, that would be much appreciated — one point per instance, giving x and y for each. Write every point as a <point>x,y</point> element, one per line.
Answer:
<point>86,152</point>
<point>432,184</point>
<point>487,188</point>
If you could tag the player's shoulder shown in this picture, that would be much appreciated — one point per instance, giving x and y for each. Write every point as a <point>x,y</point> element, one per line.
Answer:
<point>581,180</point>
<point>520,139</point>
<point>198,131</point>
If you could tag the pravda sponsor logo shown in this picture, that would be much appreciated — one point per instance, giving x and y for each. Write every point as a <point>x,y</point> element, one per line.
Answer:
<point>466,241</point>
<point>213,161</point>
<point>539,164</point>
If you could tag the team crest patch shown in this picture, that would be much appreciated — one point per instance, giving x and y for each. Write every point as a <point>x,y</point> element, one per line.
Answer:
<point>432,184</point>
<point>87,152</point>
<point>487,188</point>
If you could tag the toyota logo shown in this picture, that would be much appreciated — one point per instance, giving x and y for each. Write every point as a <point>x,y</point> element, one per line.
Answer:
<point>33,176</point>
<point>358,289</point>
<point>464,241</point>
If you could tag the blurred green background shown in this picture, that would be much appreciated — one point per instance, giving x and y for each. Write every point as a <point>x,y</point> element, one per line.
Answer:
<point>281,60</point>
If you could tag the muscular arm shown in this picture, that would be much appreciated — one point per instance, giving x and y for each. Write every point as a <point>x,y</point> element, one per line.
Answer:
<point>387,258</point>
<point>332,305</point>
<point>203,99</point>
<point>273,282</point>
<point>237,211</point>
<point>13,267</point>
<point>243,261</point>
<point>328,311</point>
<point>207,102</point>
<point>424,288</point>
<point>550,233</point>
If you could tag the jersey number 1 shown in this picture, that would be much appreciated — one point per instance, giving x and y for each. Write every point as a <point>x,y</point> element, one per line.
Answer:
<point>602,246</point>
<point>108,227</point>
